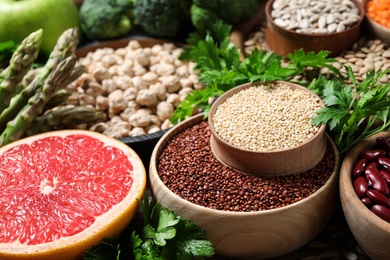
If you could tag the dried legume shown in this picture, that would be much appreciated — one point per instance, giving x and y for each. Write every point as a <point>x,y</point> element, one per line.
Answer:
<point>267,117</point>
<point>188,168</point>
<point>315,16</point>
<point>370,176</point>
<point>379,11</point>
<point>139,88</point>
<point>364,55</point>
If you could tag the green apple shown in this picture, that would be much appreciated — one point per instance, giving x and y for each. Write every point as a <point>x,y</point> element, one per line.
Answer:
<point>19,18</point>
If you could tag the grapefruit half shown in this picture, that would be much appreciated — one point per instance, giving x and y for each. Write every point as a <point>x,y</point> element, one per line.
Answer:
<point>62,192</point>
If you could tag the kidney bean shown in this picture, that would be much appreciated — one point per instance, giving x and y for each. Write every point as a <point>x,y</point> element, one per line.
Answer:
<point>359,167</point>
<point>382,212</point>
<point>372,155</point>
<point>367,202</point>
<point>376,180</point>
<point>360,186</point>
<point>383,143</point>
<point>378,198</point>
<point>372,165</point>
<point>384,162</point>
<point>385,175</point>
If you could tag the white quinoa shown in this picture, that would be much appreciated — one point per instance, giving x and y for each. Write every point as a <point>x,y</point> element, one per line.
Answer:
<point>267,117</point>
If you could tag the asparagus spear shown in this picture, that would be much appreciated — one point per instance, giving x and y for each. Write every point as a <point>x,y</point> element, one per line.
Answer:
<point>16,128</point>
<point>58,98</point>
<point>62,93</point>
<point>65,47</point>
<point>63,118</point>
<point>19,64</point>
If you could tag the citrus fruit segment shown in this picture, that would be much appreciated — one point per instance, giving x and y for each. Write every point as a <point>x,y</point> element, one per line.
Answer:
<point>62,192</point>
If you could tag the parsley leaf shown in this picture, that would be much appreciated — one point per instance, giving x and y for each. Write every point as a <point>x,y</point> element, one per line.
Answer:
<point>353,111</point>
<point>162,236</point>
<point>220,68</point>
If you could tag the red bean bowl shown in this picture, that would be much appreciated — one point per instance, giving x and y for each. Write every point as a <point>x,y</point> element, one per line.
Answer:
<point>284,41</point>
<point>371,232</point>
<point>259,234</point>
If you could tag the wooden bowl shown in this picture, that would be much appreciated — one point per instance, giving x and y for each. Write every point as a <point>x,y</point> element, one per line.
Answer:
<point>283,41</point>
<point>262,163</point>
<point>371,232</point>
<point>261,234</point>
<point>374,29</point>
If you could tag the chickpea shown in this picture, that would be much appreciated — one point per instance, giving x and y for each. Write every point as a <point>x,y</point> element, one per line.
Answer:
<point>138,88</point>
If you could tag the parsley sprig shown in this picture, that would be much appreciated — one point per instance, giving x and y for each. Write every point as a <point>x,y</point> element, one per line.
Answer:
<point>353,111</point>
<point>220,68</point>
<point>163,235</point>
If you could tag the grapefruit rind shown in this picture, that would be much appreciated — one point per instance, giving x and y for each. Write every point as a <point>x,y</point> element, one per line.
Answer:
<point>110,224</point>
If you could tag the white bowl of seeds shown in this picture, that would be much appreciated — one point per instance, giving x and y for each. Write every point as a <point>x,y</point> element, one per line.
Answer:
<point>332,25</point>
<point>266,129</point>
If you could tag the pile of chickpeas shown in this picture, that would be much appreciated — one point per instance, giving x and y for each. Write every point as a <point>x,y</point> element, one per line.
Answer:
<point>138,87</point>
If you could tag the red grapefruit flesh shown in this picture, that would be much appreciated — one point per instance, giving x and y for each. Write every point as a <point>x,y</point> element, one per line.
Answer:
<point>62,192</point>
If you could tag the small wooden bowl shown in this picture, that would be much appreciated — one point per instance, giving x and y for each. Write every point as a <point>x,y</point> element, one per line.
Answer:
<point>374,29</point>
<point>267,163</point>
<point>283,41</point>
<point>371,232</point>
<point>261,234</point>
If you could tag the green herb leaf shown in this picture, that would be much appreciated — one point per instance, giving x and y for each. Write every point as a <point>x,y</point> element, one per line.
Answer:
<point>221,69</point>
<point>354,111</point>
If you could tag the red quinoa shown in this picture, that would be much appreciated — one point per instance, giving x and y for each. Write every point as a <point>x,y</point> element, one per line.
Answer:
<point>189,169</point>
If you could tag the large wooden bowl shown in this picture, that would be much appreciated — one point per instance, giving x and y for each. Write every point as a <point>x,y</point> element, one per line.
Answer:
<point>371,232</point>
<point>262,163</point>
<point>283,41</point>
<point>261,234</point>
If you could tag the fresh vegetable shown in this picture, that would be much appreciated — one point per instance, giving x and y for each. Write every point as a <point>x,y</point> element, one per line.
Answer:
<point>220,67</point>
<point>205,13</point>
<point>7,49</point>
<point>379,11</point>
<point>163,235</point>
<point>64,118</point>
<point>27,93</point>
<point>161,18</point>
<point>101,19</point>
<point>20,18</point>
<point>20,63</point>
<point>16,128</point>
<point>353,111</point>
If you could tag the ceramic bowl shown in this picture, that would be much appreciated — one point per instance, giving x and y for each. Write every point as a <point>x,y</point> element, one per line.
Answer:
<point>258,234</point>
<point>371,232</point>
<point>262,163</point>
<point>374,29</point>
<point>142,144</point>
<point>283,41</point>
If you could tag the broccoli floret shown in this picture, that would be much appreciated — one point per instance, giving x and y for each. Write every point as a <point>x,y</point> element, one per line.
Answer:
<point>202,18</point>
<point>102,19</point>
<point>205,12</point>
<point>160,18</point>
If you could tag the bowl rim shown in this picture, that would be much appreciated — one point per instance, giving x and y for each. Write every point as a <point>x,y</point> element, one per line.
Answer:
<point>199,118</point>
<point>346,186</point>
<point>358,4</point>
<point>377,25</point>
<point>235,90</point>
